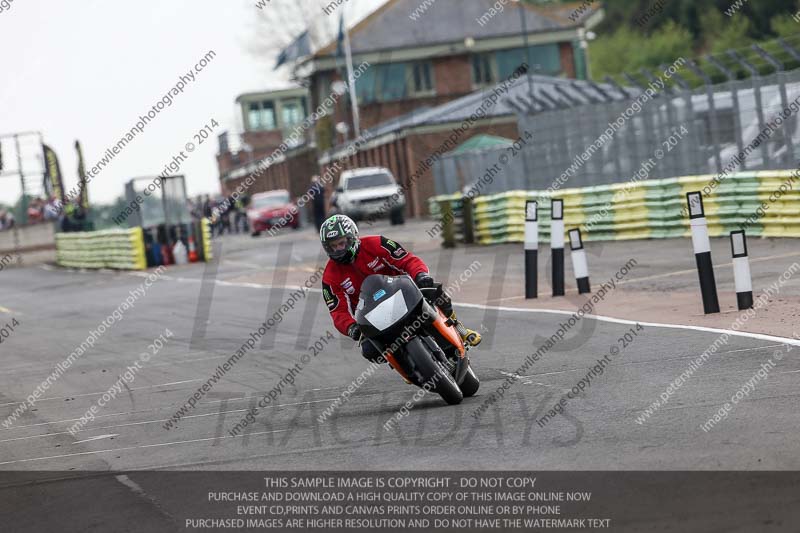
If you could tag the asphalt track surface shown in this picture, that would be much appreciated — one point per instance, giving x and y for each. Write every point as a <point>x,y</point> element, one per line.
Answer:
<point>57,308</point>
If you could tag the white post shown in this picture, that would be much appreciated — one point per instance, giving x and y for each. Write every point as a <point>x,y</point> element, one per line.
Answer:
<point>702,252</point>
<point>531,249</point>
<point>579,264</point>
<point>741,270</point>
<point>557,244</point>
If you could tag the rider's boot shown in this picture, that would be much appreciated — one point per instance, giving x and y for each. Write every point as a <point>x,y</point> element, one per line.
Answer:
<point>469,336</point>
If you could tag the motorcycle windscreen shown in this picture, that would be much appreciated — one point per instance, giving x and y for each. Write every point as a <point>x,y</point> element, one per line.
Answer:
<point>388,312</point>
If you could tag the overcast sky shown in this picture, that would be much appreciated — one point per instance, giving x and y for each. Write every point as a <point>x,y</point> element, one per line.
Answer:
<point>87,70</point>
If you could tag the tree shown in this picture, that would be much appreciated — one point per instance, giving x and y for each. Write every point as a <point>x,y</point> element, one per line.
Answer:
<point>722,33</point>
<point>282,21</point>
<point>688,14</point>
<point>687,28</point>
<point>625,50</point>
<point>783,26</point>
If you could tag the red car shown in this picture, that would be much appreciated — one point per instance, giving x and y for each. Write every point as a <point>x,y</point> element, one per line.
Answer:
<point>273,209</point>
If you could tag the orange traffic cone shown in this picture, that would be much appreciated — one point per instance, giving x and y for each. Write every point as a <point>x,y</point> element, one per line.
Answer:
<point>193,257</point>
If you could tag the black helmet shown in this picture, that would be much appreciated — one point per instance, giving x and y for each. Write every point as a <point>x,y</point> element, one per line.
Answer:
<point>334,228</point>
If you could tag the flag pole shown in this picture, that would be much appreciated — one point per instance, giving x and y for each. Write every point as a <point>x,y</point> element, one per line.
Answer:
<point>84,191</point>
<point>351,82</point>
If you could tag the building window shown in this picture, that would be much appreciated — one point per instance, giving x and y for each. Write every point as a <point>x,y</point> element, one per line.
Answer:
<point>382,83</point>
<point>224,146</point>
<point>324,88</point>
<point>544,58</point>
<point>366,86</point>
<point>389,82</point>
<point>423,77</point>
<point>292,113</point>
<point>392,79</point>
<point>261,116</point>
<point>482,71</point>
<point>491,67</point>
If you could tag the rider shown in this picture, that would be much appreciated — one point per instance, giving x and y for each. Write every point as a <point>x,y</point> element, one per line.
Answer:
<point>352,259</point>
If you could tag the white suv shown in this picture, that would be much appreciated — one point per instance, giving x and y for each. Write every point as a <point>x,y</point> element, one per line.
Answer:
<point>370,193</point>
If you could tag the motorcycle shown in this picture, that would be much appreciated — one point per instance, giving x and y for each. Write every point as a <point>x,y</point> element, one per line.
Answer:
<point>404,323</point>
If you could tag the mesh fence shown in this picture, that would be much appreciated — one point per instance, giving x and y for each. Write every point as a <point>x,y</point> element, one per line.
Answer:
<point>742,125</point>
<point>158,200</point>
<point>176,210</point>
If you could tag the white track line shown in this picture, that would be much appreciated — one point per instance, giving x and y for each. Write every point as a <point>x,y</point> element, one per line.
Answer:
<point>224,283</point>
<point>55,398</point>
<point>149,365</point>
<point>704,329</point>
<point>98,437</point>
<point>115,426</point>
<point>161,409</point>
<point>645,362</point>
<point>243,264</point>
<point>142,446</point>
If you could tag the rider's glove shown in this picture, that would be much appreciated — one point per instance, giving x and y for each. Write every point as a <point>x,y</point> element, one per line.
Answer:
<point>354,332</point>
<point>424,280</point>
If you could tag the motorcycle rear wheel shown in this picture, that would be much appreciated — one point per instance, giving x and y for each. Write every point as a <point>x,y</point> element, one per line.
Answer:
<point>433,372</point>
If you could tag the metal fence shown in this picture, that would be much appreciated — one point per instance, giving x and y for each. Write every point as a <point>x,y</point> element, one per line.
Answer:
<point>679,132</point>
<point>156,201</point>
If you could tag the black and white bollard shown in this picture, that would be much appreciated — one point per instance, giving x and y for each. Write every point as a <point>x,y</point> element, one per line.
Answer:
<point>741,270</point>
<point>531,249</point>
<point>557,244</point>
<point>579,265</point>
<point>702,252</point>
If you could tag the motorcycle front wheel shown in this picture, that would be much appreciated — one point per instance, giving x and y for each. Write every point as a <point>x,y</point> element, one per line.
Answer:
<point>432,373</point>
<point>470,384</point>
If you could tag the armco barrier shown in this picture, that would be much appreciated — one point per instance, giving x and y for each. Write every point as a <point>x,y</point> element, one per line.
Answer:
<point>646,209</point>
<point>122,249</point>
<point>116,248</point>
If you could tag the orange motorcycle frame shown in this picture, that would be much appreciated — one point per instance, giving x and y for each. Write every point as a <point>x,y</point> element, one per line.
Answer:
<point>449,333</point>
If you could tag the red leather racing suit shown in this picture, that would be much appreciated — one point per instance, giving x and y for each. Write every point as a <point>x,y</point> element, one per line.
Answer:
<point>341,284</point>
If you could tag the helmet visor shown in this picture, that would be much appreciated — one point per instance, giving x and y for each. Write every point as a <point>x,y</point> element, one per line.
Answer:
<point>339,248</point>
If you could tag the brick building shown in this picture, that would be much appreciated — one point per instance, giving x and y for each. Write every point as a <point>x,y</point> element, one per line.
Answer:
<point>454,48</point>
<point>418,80</point>
<point>269,118</point>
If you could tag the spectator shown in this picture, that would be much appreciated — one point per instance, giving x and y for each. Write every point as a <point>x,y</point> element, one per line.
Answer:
<point>221,211</point>
<point>36,211</point>
<point>51,210</point>
<point>229,210</point>
<point>207,207</point>
<point>7,221</point>
<point>74,218</point>
<point>214,217</point>
<point>241,214</point>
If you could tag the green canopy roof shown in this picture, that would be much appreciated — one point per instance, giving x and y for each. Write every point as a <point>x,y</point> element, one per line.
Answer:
<point>482,142</point>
